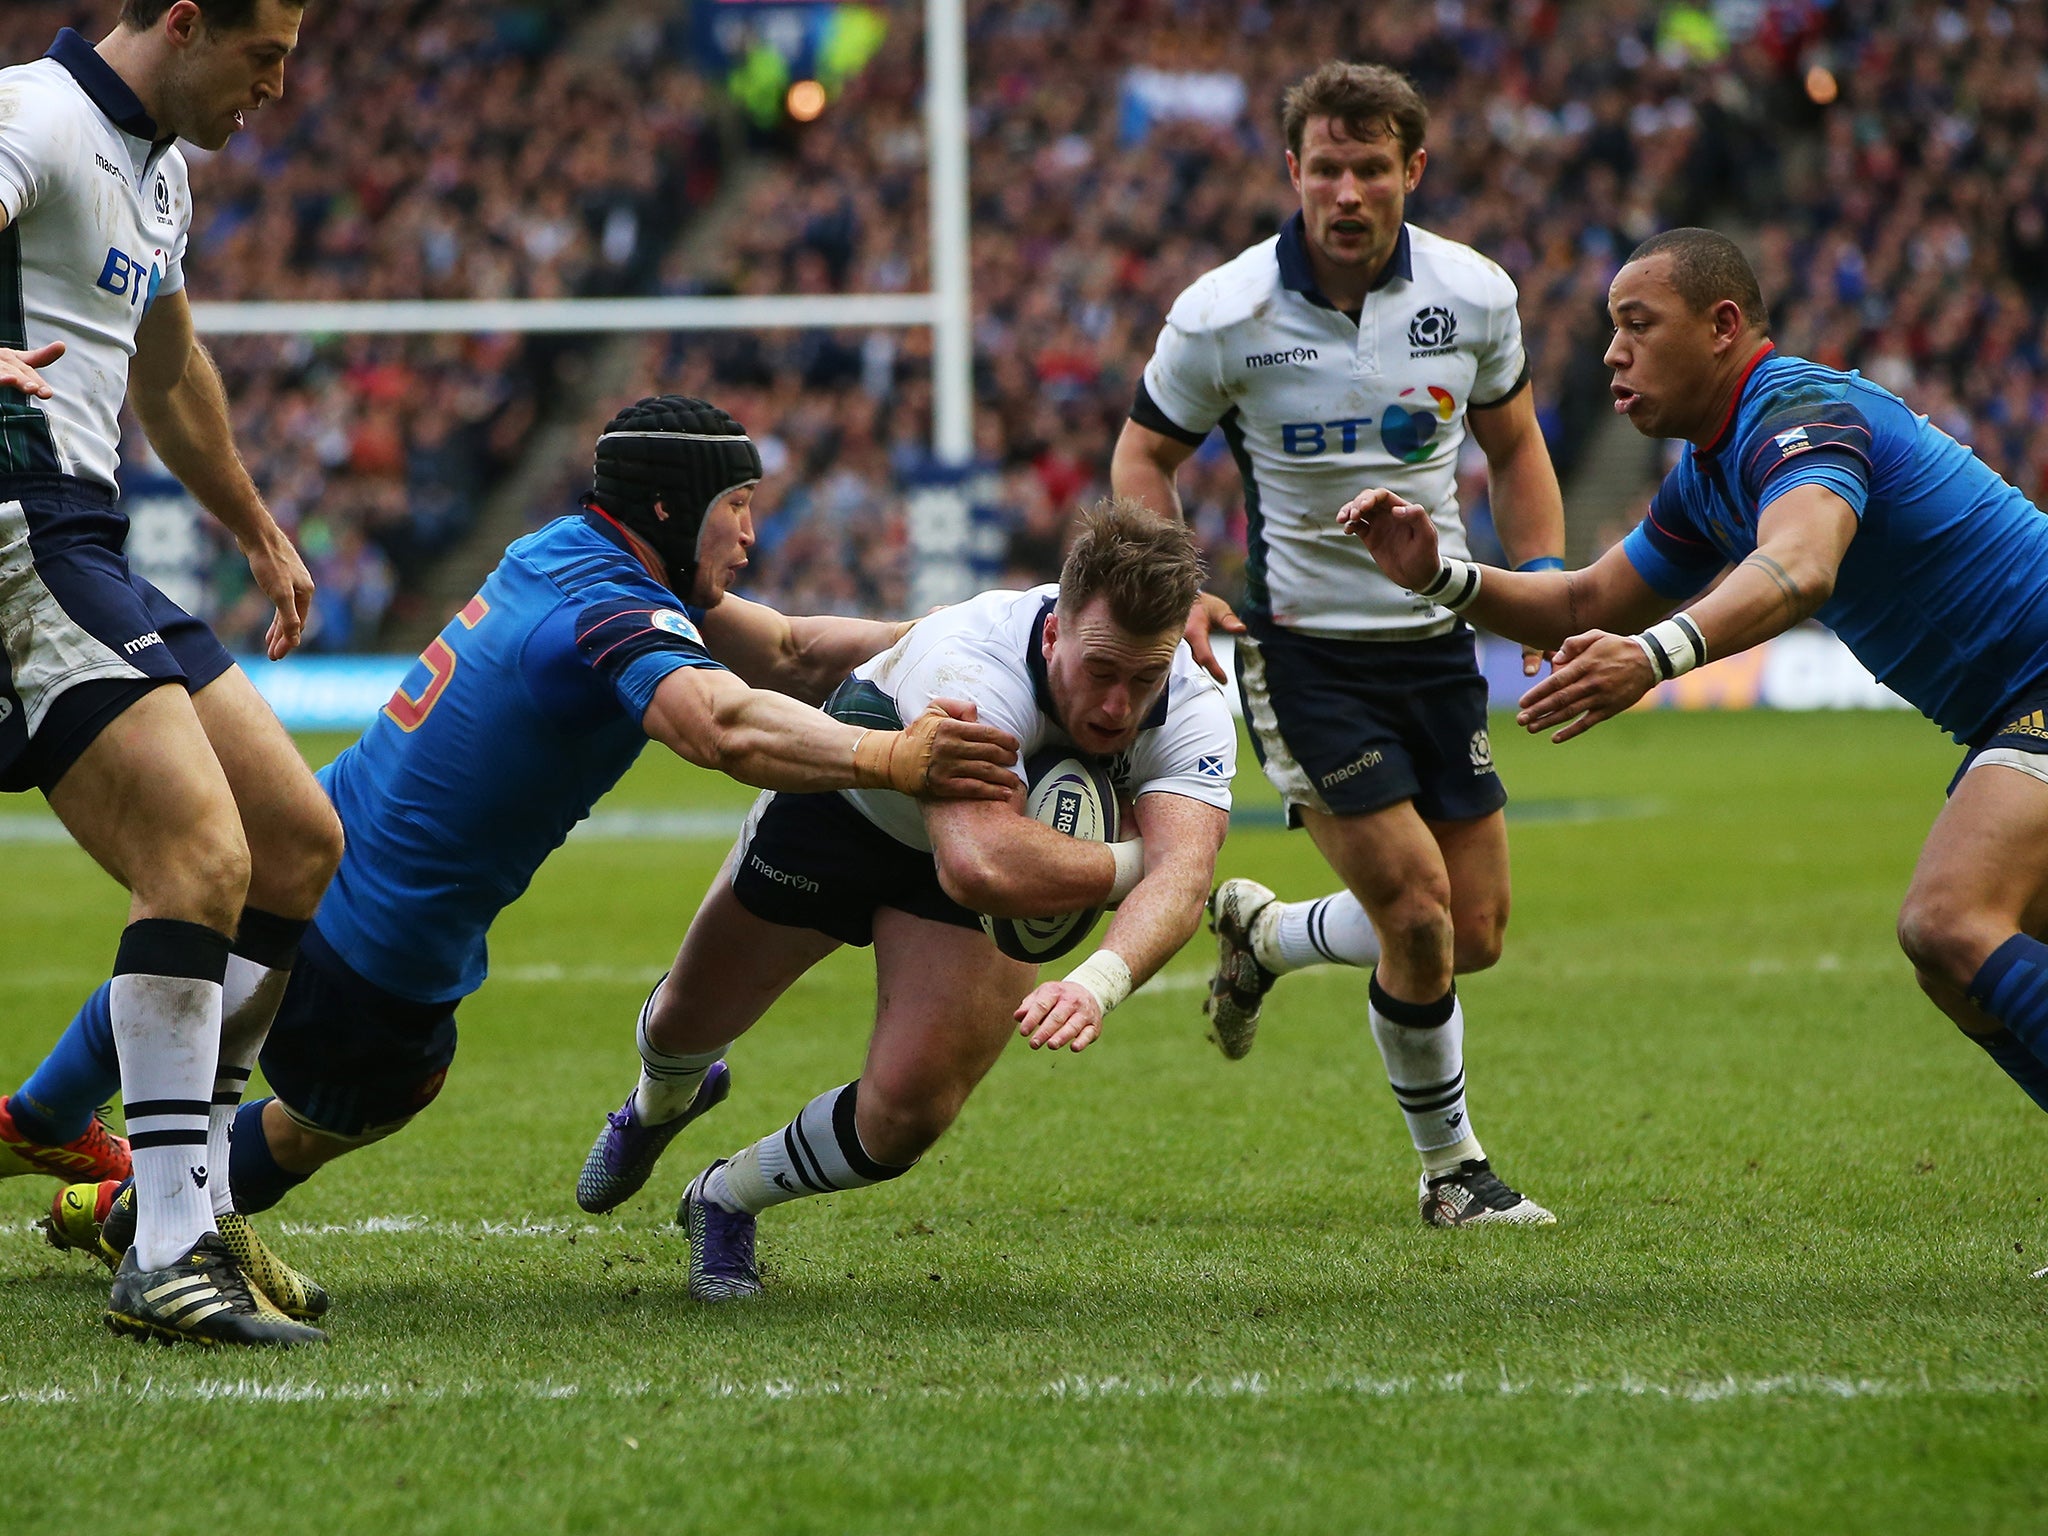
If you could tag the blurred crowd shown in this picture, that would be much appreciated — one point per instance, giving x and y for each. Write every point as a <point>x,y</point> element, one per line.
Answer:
<point>422,149</point>
<point>1915,244</point>
<point>1887,156</point>
<point>1120,149</point>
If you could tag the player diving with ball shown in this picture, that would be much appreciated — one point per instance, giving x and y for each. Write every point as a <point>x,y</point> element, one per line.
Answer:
<point>601,631</point>
<point>1806,492</point>
<point>1094,665</point>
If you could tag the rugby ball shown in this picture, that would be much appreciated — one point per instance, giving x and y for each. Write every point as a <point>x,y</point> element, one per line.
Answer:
<point>1070,794</point>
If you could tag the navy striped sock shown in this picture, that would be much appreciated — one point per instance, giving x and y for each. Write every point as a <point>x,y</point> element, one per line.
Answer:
<point>2012,987</point>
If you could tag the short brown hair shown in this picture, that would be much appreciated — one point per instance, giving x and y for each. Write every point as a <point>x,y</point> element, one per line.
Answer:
<point>1707,267</point>
<point>219,15</point>
<point>1370,100</point>
<point>1145,565</point>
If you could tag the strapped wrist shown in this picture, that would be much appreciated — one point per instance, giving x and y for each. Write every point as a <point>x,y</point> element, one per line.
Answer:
<point>1673,648</point>
<point>1104,976</point>
<point>1456,584</point>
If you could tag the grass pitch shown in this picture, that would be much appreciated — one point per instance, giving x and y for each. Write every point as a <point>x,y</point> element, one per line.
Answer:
<point>1145,1289</point>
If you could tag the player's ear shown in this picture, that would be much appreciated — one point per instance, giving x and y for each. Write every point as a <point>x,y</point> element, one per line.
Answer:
<point>1052,630</point>
<point>1415,165</point>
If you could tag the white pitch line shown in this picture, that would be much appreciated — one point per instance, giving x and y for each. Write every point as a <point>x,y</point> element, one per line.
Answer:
<point>1253,1386</point>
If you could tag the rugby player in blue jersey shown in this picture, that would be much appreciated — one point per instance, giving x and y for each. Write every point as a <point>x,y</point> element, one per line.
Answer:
<point>600,631</point>
<point>1831,500</point>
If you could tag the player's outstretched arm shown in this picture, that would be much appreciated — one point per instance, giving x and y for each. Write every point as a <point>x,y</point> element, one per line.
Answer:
<point>759,737</point>
<point>1142,468</point>
<point>177,395</point>
<point>805,657</point>
<point>1537,608</point>
<point>1162,912</point>
<point>1801,540</point>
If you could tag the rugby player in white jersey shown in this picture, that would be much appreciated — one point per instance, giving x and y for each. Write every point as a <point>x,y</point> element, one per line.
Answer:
<point>1095,664</point>
<point>151,746</point>
<point>1357,345</point>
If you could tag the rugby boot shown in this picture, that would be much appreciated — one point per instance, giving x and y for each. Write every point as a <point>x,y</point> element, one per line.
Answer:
<point>1239,984</point>
<point>721,1245</point>
<point>627,1149</point>
<point>293,1293</point>
<point>78,1216</point>
<point>201,1298</point>
<point>1472,1195</point>
<point>96,1155</point>
<point>110,1228</point>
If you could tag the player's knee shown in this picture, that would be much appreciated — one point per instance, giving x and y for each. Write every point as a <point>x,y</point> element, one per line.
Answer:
<point>898,1123</point>
<point>1477,942</point>
<point>1946,939</point>
<point>202,877</point>
<point>299,1148</point>
<point>1418,928</point>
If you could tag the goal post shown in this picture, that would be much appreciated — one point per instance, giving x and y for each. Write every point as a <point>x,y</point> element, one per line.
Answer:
<point>940,525</point>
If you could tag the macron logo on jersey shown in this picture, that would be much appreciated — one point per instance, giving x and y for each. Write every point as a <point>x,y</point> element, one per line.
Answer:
<point>1275,359</point>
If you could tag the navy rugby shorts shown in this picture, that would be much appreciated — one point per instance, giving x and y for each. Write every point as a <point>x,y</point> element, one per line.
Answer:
<point>85,637</point>
<point>813,861</point>
<point>349,1059</point>
<point>1348,727</point>
<point>2021,741</point>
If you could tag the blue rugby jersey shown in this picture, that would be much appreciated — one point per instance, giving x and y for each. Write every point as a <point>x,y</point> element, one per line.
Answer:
<point>507,730</point>
<point>1943,594</point>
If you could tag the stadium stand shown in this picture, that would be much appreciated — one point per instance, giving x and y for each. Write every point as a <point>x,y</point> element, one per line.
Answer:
<point>450,148</point>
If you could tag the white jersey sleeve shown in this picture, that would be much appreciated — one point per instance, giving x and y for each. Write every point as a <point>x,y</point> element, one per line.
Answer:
<point>178,183</point>
<point>1194,751</point>
<point>1503,364</point>
<point>1185,376</point>
<point>30,147</point>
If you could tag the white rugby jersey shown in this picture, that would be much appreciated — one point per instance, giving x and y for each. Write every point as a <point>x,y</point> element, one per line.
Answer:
<point>1316,408</point>
<point>987,650</point>
<point>98,209</point>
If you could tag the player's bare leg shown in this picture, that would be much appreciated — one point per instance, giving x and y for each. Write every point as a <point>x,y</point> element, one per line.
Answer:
<point>944,1002</point>
<point>1437,895</point>
<point>1973,914</point>
<point>731,968</point>
<point>150,802</point>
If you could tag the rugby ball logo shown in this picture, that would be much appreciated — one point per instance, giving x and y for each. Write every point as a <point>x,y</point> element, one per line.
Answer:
<point>1076,798</point>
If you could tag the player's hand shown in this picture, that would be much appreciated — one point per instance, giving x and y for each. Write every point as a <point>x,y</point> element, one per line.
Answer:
<point>1532,660</point>
<point>1210,612</point>
<point>948,754</point>
<point>1594,677</point>
<point>18,369</point>
<point>1398,534</point>
<point>282,577</point>
<point>1060,1013</point>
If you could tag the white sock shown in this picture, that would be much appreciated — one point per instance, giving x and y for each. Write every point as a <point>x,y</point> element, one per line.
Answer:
<point>165,1002</point>
<point>1423,1046</point>
<point>668,1083</point>
<point>817,1153</point>
<point>1331,930</point>
<point>249,998</point>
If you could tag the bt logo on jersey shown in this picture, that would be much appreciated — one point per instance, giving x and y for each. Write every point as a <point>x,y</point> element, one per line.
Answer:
<point>1306,439</point>
<point>128,278</point>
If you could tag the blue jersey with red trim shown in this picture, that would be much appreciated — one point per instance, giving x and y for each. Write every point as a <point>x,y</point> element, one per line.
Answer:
<point>511,725</point>
<point>1943,594</point>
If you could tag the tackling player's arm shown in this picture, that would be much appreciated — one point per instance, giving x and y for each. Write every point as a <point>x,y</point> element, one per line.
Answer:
<point>713,719</point>
<point>1802,538</point>
<point>177,394</point>
<point>803,657</point>
<point>1162,912</point>
<point>1528,507</point>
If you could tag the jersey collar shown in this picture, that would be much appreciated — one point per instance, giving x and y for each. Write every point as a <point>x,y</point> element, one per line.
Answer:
<point>1720,438</point>
<point>1041,686</point>
<point>1297,275</point>
<point>100,81</point>
<point>615,532</point>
